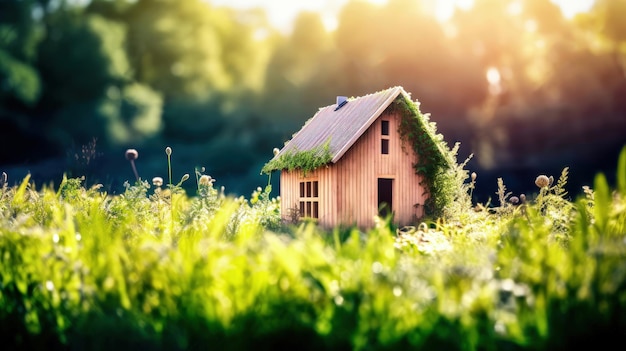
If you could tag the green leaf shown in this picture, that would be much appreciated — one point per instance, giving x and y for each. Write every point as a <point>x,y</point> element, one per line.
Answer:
<point>621,172</point>
<point>18,198</point>
<point>602,196</point>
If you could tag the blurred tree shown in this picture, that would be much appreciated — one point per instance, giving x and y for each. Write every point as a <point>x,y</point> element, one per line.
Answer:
<point>89,89</point>
<point>19,36</point>
<point>293,65</point>
<point>545,80</point>
<point>503,38</point>
<point>20,83</point>
<point>81,56</point>
<point>197,57</point>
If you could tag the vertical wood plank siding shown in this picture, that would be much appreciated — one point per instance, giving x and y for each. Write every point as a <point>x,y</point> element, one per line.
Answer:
<point>349,188</point>
<point>290,193</point>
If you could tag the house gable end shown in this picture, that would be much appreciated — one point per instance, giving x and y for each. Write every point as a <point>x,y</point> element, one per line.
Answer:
<point>338,128</point>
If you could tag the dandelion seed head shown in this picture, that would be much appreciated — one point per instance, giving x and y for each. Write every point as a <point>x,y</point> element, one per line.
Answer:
<point>542,181</point>
<point>49,285</point>
<point>205,180</point>
<point>78,236</point>
<point>55,238</point>
<point>157,181</point>
<point>131,154</point>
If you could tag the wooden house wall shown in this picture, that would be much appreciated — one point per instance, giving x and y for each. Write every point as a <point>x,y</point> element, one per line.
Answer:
<point>348,190</point>
<point>290,193</point>
<point>358,172</point>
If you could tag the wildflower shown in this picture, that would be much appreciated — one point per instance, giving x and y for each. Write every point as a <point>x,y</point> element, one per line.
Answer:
<point>168,152</point>
<point>131,154</point>
<point>542,181</point>
<point>157,181</point>
<point>205,180</point>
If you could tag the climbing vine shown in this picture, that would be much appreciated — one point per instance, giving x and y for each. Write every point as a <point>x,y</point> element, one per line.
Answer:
<point>436,162</point>
<point>306,160</point>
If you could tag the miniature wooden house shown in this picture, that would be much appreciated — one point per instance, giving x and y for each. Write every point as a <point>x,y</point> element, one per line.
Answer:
<point>349,163</point>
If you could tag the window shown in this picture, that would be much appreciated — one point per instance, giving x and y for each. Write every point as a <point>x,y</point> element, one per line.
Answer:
<point>309,199</point>
<point>384,146</point>
<point>384,141</point>
<point>384,127</point>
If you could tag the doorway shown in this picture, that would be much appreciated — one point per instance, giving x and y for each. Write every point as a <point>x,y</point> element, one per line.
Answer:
<point>385,196</point>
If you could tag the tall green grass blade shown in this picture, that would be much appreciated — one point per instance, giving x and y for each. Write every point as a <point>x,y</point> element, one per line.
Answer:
<point>602,196</point>
<point>18,197</point>
<point>621,172</point>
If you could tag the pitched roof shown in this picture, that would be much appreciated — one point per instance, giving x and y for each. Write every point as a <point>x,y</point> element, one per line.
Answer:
<point>344,126</point>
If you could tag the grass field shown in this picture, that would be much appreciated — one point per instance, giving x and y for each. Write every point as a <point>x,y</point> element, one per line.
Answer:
<point>158,269</point>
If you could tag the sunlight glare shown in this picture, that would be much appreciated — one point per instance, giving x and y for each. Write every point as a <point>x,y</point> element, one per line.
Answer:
<point>515,8</point>
<point>571,8</point>
<point>493,77</point>
<point>444,9</point>
<point>282,12</point>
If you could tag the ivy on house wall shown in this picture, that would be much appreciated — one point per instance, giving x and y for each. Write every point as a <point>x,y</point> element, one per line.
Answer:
<point>435,161</point>
<point>307,160</point>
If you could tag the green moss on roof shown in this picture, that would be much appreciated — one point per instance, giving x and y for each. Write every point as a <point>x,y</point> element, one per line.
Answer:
<point>305,160</point>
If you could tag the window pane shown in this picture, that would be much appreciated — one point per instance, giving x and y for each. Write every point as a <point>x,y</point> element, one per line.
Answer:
<point>315,210</point>
<point>301,209</point>
<point>384,127</point>
<point>384,146</point>
<point>308,189</point>
<point>301,189</point>
<point>308,208</point>
<point>315,189</point>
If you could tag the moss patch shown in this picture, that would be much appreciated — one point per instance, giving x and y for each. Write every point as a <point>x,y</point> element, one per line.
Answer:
<point>306,160</point>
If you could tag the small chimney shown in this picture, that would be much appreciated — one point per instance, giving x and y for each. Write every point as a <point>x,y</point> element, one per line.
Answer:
<point>341,100</point>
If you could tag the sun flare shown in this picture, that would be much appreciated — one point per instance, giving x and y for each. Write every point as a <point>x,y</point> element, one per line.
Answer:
<point>282,13</point>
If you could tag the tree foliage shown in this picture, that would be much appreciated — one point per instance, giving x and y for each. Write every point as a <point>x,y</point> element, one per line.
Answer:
<point>71,71</point>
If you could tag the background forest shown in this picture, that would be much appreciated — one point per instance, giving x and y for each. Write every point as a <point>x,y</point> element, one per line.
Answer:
<point>523,88</point>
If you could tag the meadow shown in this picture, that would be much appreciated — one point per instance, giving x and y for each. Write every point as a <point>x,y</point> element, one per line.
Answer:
<point>157,268</point>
